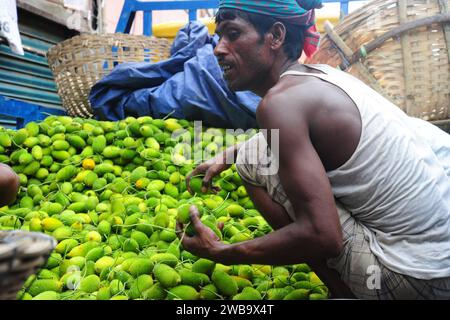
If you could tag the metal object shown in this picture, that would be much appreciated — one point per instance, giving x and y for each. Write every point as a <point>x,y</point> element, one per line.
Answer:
<point>130,7</point>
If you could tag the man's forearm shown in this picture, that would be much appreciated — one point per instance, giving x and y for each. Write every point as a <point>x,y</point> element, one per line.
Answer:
<point>289,245</point>
<point>230,154</point>
<point>273,212</point>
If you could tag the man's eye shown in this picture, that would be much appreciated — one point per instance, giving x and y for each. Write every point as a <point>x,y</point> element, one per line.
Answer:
<point>233,35</point>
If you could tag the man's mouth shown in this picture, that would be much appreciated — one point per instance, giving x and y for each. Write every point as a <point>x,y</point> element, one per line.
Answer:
<point>226,68</point>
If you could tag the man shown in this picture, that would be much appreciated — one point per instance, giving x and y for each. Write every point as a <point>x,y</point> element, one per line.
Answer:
<point>387,234</point>
<point>9,185</point>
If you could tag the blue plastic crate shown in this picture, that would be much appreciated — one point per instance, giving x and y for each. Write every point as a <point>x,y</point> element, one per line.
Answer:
<point>18,113</point>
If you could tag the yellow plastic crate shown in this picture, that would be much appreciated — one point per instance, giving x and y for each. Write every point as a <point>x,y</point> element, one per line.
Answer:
<point>169,29</point>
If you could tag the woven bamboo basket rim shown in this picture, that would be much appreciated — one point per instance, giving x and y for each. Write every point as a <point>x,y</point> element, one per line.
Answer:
<point>365,49</point>
<point>22,253</point>
<point>79,62</point>
<point>401,48</point>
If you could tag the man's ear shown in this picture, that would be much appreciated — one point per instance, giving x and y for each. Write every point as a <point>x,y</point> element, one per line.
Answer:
<point>277,35</point>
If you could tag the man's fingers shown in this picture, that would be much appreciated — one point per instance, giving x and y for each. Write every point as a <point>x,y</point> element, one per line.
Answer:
<point>187,242</point>
<point>188,180</point>
<point>195,218</point>
<point>199,170</point>
<point>179,230</point>
<point>207,179</point>
<point>215,189</point>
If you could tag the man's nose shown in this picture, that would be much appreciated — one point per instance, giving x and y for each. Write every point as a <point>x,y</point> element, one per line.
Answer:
<point>220,49</point>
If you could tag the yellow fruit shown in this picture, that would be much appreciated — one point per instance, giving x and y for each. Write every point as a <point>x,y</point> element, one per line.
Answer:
<point>93,236</point>
<point>51,224</point>
<point>66,246</point>
<point>103,263</point>
<point>166,275</point>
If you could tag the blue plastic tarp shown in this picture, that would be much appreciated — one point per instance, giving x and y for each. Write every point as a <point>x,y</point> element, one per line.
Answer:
<point>189,85</point>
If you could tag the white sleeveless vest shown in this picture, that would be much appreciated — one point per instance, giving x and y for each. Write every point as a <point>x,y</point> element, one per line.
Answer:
<point>397,182</point>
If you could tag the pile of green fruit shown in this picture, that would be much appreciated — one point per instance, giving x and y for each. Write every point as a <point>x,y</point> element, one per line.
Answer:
<point>110,193</point>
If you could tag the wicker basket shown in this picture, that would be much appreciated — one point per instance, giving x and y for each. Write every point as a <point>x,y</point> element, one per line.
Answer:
<point>21,254</point>
<point>401,48</point>
<point>78,63</point>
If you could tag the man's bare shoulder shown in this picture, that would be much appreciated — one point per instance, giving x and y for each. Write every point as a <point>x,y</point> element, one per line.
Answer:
<point>291,100</point>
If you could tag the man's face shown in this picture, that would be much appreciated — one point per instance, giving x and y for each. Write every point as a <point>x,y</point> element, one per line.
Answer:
<point>243,55</point>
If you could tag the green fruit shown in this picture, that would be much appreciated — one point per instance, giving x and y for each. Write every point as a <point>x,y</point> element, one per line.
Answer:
<point>42,285</point>
<point>32,129</point>
<point>116,287</point>
<point>103,263</point>
<point>140,285</point>
<point>5,140</point>
<point>104,293</point>
<point>196,184</point>
<point>66,173</point>
<point>156,292</point>
<point>31,168</point>
<point>90,178</point>
<point>62,233</point>
<point>183,292</point>
<point>165,258</point>
<point>130,245</point>
<point>203,266</point>
<point>248,293</point>
<point>168,235</point>
<point>171,190</point>
<point>242,282</point>
<point>301,276</point>
<point>90,284</point>
<point>299,294</point>
<point>317,296</point>
<point>95,254</point>
<point>302,267</point>
<point>99,144</point>
<point>141,266</point>
<point>193,279</point>
<point>47,295</point>
<point>224,283</point>
<point>265,285</point>
<point>209,292</point>
<point>140,237</point>
<point>60,145</point>
<point>277,293</point>
<point>166,275</point>
<point>183,214</point>
<point>54,260</point>
<point>104,228</point>
<point>20,136</point>
<point>235,211</point>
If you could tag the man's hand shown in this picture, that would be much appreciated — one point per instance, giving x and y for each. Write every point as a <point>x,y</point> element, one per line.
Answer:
<point>212,168</point>
<point>205,243</point>
<point>9,185</point>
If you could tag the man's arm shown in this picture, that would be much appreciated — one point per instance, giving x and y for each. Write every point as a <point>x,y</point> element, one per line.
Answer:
<point>213,167</point>
<point>273,212</point>
<point>316,233</point>
<point>9,185</point>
